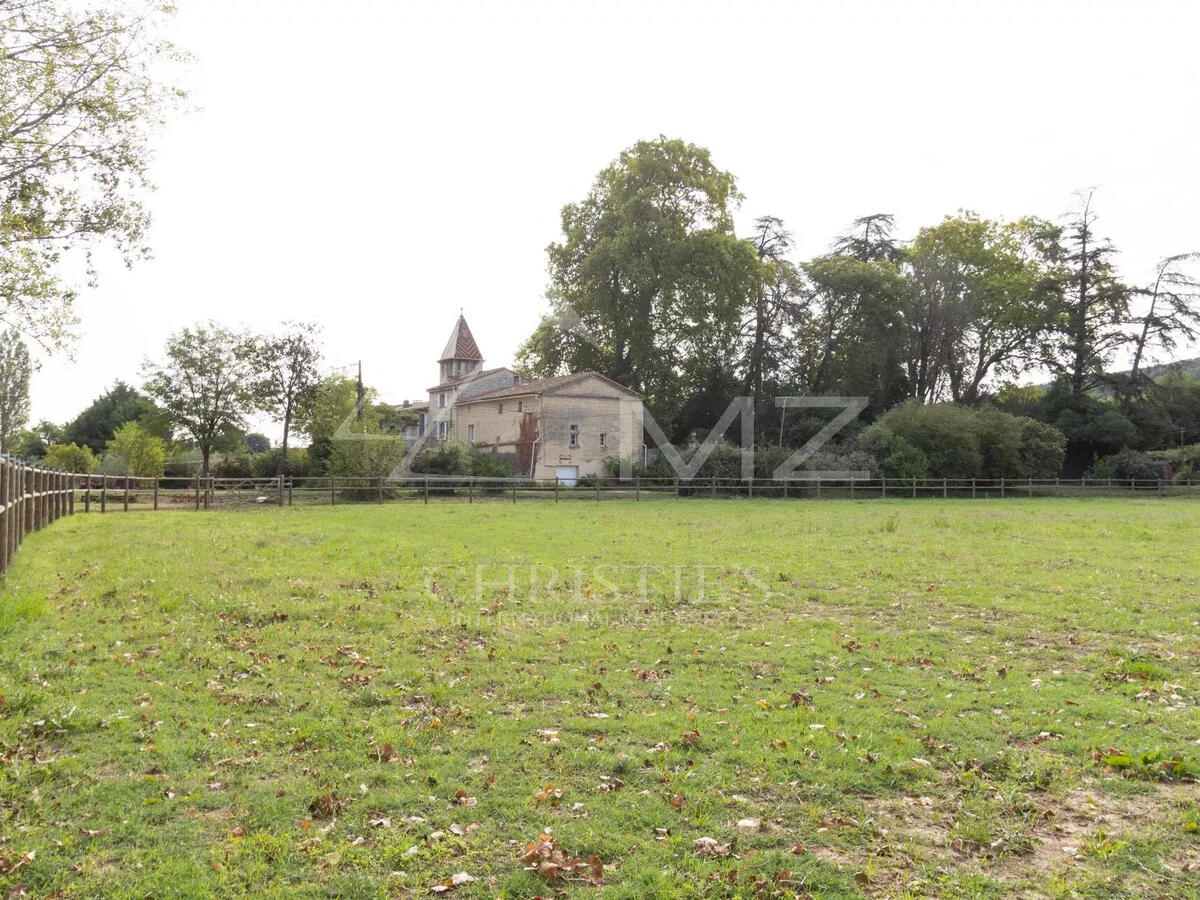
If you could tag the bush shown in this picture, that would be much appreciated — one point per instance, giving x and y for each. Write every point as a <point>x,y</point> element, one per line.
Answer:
<point>1128,464</point>
<point>457,458</point>
<point>946,441</point>
<point>948,435</point>
<point>1180,463</point>
<point>897,457</point>
<point>299,463</point>
<point>371,456</point>
<point>232,465</point>
<point>143,454</point>
<point>70,458</point>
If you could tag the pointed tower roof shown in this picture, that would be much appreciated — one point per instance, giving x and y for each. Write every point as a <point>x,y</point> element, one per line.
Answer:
<point>461,344</point>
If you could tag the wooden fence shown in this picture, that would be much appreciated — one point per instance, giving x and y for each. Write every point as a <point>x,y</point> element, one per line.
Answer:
<point>33,497</point>
<point>105,493</point>
<point>30,499</point>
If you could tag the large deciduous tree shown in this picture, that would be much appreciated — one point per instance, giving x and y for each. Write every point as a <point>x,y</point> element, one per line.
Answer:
<point>286,376</point>
<point>204,385</point>
<point>982,298</point>
<point>80,94</point>
<point>649,283</point>
<point>15,369</point>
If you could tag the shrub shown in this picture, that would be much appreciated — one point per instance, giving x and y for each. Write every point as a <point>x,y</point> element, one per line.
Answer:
<point>143,454</point>
<point>457,458</point>
<point>1128,464</point>
<point>946,441</point>
<point>232,465</point>
<point>371,456</point>
<point>948,435</point>
<point>897,457</point>
<point>71,458</point>
<point>299,463</point>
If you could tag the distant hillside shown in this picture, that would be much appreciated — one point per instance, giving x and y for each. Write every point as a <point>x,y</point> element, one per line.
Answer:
<point>1187,366</point>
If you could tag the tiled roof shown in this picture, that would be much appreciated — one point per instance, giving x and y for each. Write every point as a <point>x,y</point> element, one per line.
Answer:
<point>544,386</point>
<point>469,377</point>
<point>461,344</point>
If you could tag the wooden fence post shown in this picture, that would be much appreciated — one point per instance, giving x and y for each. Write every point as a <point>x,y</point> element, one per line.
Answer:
<point>30,490</point>
<point>1001,488</point>
<point>197,495</point>
<point>5,515</point>
<point>883,486</point>
<point>155,494</point>
<point>637,488</point>
<point>332,490</point>
<point>279,490</point>
<point>126,494</point>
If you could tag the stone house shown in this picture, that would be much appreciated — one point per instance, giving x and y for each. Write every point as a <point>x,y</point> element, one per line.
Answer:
<point>562,428</point>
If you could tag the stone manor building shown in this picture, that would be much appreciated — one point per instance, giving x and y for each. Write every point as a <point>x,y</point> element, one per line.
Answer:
<point>562,428</point>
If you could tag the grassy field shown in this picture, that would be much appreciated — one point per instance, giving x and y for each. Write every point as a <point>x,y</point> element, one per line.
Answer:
<point>662,699</point>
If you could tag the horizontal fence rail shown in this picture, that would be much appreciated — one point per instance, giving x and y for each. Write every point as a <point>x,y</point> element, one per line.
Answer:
<point>30,499</point>
<point>107,493</point>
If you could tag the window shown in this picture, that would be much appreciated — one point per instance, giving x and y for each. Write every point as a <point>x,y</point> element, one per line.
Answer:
<point>574,436</point>
<point>442,400</point>
<point>443,430</point>
<point>499,409</point>
<point>471,433</point>
<point>520,406</point>
<point>603,439</point>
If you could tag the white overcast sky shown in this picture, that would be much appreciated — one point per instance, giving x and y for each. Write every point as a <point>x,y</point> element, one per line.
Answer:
<point>375,166</point>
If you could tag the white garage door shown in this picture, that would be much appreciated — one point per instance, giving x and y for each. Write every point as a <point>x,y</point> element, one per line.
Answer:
<point>567,475</point>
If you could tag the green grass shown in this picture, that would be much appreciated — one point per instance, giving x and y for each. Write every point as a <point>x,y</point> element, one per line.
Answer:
<point>911,698</point>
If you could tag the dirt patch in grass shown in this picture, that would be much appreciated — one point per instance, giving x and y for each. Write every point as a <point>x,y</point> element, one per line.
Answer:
<point>914,841</point>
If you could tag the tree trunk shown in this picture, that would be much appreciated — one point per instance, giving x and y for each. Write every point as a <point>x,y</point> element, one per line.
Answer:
<point>281,466</point>
<point>1079,314</point>
<point>205,453</point>
<point>1141,347</point>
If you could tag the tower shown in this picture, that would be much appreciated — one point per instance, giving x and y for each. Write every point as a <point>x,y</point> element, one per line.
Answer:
<point>461,356</point>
